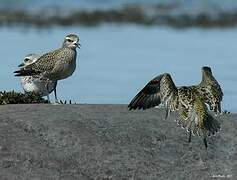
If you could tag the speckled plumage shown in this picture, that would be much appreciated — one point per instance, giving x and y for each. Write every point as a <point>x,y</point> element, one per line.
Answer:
<point>55,65</point>
<point>210,90</point>
<point>187,100</point>
<point>34,83</point>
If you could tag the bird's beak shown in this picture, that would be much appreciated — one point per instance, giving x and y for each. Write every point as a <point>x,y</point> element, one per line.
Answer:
<point>20,65</point>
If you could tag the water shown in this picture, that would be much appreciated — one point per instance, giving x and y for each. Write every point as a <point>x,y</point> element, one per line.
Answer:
<point>116,61</point>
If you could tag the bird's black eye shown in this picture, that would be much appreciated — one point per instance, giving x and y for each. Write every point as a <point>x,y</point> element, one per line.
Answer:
<point>26,59</point>
<point>69,40</point>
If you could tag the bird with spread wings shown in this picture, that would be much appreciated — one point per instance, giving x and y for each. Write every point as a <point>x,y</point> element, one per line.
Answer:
<point>189,101</point>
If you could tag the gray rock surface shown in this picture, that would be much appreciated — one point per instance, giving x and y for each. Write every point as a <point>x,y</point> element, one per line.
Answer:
<point>102,142</point>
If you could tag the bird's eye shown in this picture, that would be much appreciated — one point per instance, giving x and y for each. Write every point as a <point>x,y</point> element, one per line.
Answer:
<point>69,40</point>
<point>26,59</point>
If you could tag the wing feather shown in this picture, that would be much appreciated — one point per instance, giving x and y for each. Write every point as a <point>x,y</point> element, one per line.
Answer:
<point>45,63</point>
<point>157,91</point>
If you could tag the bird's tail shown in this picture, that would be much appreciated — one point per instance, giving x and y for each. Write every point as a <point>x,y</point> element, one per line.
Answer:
<point>205,120</point>
<point>211,125</point>
<point>197,120</point>
<point>25,72</point>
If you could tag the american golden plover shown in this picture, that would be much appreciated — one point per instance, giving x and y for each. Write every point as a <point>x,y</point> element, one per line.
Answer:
<point>34,83</point>
<point>189,101</point>
<point>210,90</point>
<point>55,65</point>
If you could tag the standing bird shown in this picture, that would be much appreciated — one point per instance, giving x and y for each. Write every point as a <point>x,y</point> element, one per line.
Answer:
<point>55,65</point>
<point>35,84</point>
<point>187,100</point>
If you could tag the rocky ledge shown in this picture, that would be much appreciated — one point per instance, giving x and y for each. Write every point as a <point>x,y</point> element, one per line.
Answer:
<point>54,142</point>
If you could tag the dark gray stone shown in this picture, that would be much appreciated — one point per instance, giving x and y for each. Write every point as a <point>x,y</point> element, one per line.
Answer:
<point>103,142</point>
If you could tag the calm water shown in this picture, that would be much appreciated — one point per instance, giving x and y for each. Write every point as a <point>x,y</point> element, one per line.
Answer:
<point>116,61</point>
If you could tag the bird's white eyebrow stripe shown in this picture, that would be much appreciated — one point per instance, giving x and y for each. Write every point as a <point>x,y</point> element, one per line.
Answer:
<point>71,38</point>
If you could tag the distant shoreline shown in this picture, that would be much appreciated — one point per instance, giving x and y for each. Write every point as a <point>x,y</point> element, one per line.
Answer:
<point>134,14</point>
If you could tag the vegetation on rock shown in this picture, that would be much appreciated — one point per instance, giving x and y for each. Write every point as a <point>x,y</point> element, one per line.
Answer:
<point>13,97</point>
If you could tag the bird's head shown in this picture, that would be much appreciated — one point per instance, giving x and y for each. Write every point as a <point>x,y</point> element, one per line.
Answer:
<point>206,71</point>
<point>71,41</point>
<point>29,59</point>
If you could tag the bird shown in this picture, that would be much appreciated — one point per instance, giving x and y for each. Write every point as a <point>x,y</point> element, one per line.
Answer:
<point>55,65</point>
<point>210,90</point>
<point>35,84</point>
<point>189,101</point>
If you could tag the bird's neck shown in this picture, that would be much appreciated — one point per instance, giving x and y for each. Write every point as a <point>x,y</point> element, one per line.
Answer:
<point>70,48</point>
<point>207,77</point>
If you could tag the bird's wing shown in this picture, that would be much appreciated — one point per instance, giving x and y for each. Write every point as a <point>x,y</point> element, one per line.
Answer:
<point>159,90</point>
<point>45,63</point>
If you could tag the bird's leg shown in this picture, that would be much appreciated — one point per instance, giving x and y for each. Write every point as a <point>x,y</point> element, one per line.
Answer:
<point>216,110</point>
<point>219,108</point>
<point>47,88</point>
<point>167,107</point>
<point>48,99</point>
<point>55,96</point>
<point>205,142</point>
<point>190,135</point>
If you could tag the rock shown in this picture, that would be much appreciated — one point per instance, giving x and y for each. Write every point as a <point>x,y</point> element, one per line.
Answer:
<point>69,142</point>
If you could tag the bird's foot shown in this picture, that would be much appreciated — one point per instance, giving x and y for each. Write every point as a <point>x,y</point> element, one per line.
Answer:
<point>56,103</point>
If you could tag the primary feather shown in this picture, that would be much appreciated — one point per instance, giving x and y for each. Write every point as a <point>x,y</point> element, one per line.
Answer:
<point>189,101</point>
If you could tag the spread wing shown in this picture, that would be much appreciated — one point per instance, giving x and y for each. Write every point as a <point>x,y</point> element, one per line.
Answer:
<point>44,63</point>
<point>159,90</point>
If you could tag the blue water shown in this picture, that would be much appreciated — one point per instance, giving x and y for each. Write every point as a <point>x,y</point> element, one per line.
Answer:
<point>116,61</point>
